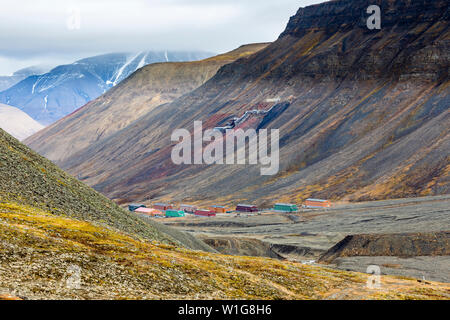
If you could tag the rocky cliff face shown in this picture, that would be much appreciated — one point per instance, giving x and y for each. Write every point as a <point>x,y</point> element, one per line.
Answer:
<point>362,114</point>
<point>336,42</point>
<point>337,15</point>
<point>381,54</point>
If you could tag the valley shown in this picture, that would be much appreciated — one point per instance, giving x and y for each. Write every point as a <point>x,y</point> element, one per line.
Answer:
<point>40,251</point>
<point>309,234</point>
<point>120,196</point>
<point>60,239</point>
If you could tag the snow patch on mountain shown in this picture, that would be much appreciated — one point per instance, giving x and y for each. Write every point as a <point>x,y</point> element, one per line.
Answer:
<point>50,96</point>
<point>46,102</point>
<point>33,89</point>
<point>142,62</point>
<point>17,123</point>
<point>120,72</point>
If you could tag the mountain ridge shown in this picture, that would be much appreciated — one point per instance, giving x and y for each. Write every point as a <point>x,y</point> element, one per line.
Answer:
<point>140,93</point>
<point>7,82</point>
<point>53,95</point>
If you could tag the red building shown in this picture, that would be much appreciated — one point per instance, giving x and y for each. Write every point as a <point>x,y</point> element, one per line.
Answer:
<point>162,206</point>
<point>188,208</point>
<point>246,208</point>
<point>205,213</point>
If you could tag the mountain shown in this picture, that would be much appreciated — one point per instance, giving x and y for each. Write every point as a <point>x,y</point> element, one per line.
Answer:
<point>53,95</point>
<point>142,92</point>
<point>17,123</point>
<point>59,239</point>
<point>363,114</point>
<point>7,82</point>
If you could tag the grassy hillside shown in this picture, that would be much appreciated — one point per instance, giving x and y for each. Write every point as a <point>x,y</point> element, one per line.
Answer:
<point>39,251</point>
<point>27,178</point>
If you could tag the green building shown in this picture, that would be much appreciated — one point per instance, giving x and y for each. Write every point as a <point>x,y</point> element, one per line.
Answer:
<point>285,207</point>
<point>174,213</point>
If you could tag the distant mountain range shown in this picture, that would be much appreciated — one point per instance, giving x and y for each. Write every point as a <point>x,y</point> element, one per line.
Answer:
<point>17,123</point>
<point>142,92</point>
<point>7,82</point>
<point>53,95</point>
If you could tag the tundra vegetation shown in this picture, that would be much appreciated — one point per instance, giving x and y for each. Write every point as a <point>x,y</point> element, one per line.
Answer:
<point>38,249</point>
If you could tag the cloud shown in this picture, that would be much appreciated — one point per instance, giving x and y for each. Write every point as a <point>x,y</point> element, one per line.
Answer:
<point>36,29</point>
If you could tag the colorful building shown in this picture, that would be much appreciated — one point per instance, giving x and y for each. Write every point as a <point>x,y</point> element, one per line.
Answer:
<point>171,213</point>
<point>285,207</point>
<point>149,212</point>
<point>218,209</point>
<point>317,203</point>
<point>205,213</point>
<point>162,206</point>
<point>188,208</point>
<point>247,208</point>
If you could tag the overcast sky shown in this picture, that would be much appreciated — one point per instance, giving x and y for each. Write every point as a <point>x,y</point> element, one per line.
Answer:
<point>62,31</point>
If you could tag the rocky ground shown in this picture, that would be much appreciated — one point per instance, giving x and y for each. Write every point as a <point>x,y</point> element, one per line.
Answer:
<point>306,236</point>
<point>423,268</point>
<point>429,244</point>
<point>44,256</point>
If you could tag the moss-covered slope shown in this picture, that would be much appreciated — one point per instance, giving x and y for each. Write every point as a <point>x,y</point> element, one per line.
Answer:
<point>27,178</point>
<point>40,252</point>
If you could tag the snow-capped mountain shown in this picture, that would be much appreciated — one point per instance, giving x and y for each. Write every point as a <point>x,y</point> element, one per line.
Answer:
<point>53,95</point>
<point>7,82</point>
<point>17,123</point>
